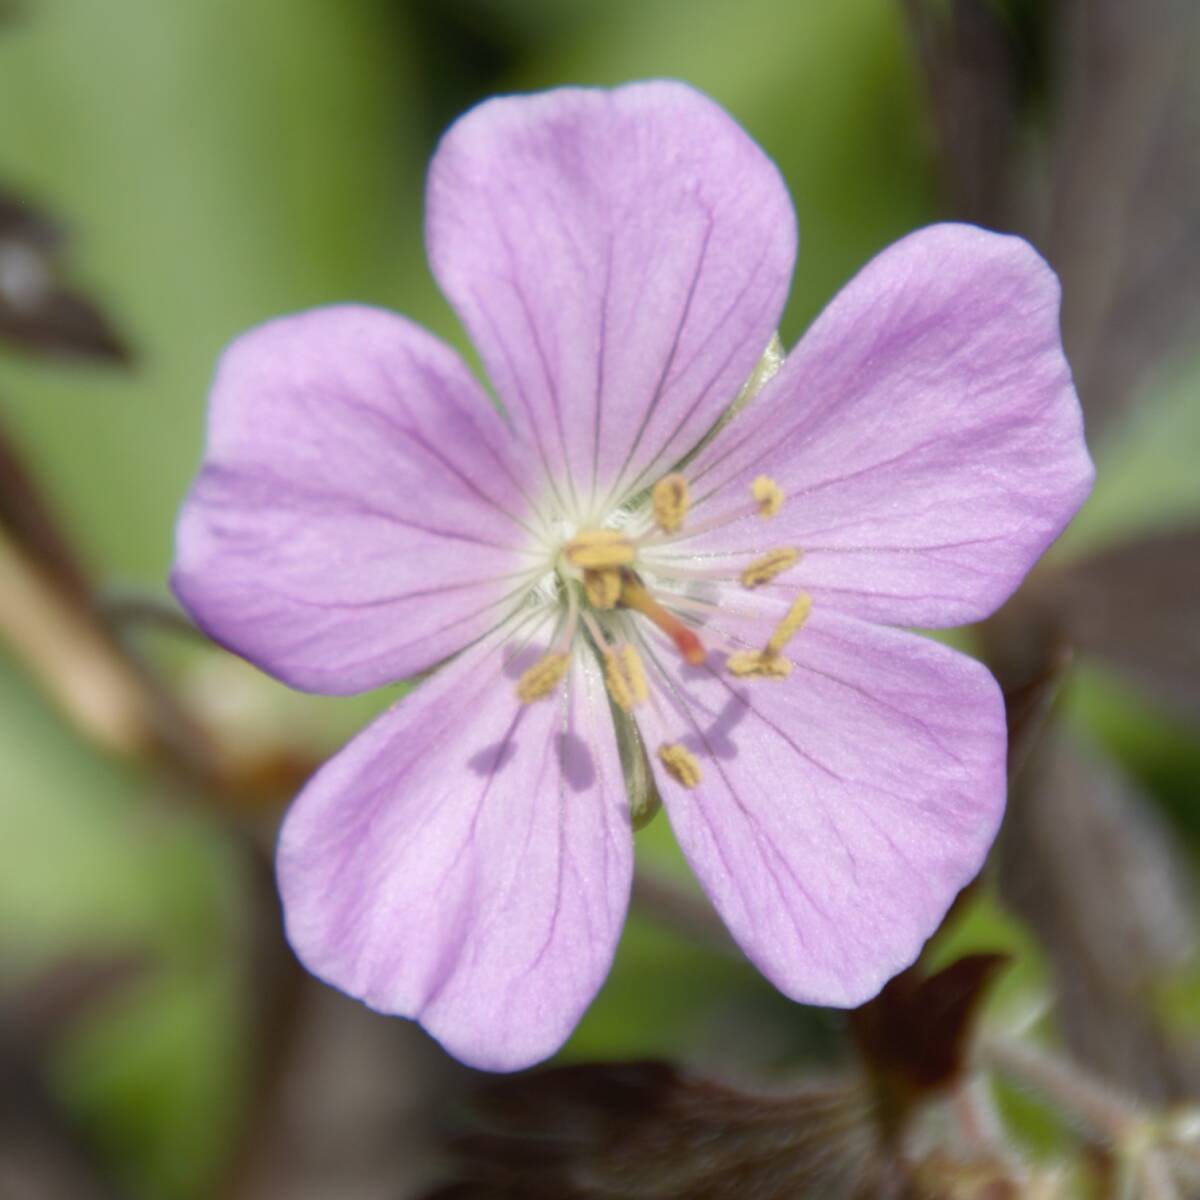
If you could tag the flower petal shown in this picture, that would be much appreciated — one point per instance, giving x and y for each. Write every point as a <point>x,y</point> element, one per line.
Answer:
<point>839,811</point>
<point>925,431</point>
<point>621,259</point>
<point>358,516</point>
<point>466,861</point>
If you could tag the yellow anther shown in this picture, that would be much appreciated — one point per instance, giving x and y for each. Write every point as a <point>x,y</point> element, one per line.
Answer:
<point>759,664</point>
<point>680,763</point>
<point>596,549</point>
<point>786,629</point>
<point>603,587</point>
<point>543,677</point>
<point>670,499</point>
<point>625,677</point>
<point>764,569</point>
<point>768,494</point>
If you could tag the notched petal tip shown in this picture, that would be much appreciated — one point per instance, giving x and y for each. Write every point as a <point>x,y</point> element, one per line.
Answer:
<point>522,241</point>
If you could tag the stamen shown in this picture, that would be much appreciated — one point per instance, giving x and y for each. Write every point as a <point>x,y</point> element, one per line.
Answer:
<point>626,678</point>
<point>635,596</point>
<point>670,500</point>
<point>652,537</point>
<point>543,677</point>
<point>773,563</point>
<point>759,664</point>
<point>676,600</point>
<point>768,494</point>
<point>680,763</point>
<point>602,587</point>
<point>666,569</point>
<point>597,549</point>
<point>786,629</point>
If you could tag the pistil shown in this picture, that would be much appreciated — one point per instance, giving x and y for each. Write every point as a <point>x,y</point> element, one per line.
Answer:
<point>635,596</point>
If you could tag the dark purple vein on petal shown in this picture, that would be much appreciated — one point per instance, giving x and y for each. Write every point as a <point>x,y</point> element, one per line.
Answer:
<point>617,488</point>
<point>602,354</point>
<point>531,417</point>
<point>702,393</point>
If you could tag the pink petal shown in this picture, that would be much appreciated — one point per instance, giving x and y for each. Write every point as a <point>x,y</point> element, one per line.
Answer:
<point>621,259</point>
<point>925,430</point>
<point>466,860</point>
<point>358,516</point>
<point>841,810</point>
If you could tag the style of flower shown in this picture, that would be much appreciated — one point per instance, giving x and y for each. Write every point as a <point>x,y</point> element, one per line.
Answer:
<point>628,575</point>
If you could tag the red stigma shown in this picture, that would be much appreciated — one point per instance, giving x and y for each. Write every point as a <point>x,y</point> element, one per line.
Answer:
<point>689,645</point>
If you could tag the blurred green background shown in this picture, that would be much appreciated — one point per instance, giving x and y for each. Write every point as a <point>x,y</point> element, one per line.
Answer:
<point>218,162</point>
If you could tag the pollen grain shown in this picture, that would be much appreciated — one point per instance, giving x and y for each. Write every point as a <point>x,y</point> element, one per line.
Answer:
<point>543,677</point>
<point>626,678</point>
<point>758,664</point>
<point>774,563</point>
<point>670,500</point>
<point>599,549</point>
<point>680,763</point>
<point>768,495</point>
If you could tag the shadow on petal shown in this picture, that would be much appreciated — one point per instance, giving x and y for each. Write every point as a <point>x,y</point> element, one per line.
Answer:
<point>494,758</point>
<point>576,761</point>
<point>715,739</point>
<point>518,661</point>
<point>720,743</point>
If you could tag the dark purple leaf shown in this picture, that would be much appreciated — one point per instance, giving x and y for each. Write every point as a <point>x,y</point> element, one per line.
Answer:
<point>1077,124</point>
<point>1027,704</point>
<point>42,1153</point>
<point>1085,861</point>
<point>971,70</point>
<point>647,1131</point>
<point>915,1035</point>
<point>37,1011</point>
<point>21,222</point>
<point>342,1103</point>
<point>1124,184</point>
<point>39,313</point>
<point>1136,605</point>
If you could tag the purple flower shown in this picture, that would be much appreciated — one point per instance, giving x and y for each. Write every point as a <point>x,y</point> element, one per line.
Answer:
<point>617,578</point>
